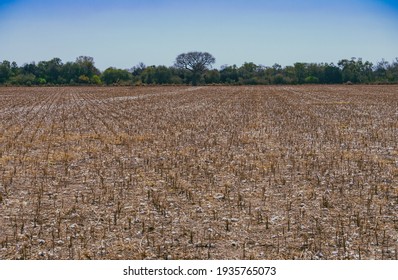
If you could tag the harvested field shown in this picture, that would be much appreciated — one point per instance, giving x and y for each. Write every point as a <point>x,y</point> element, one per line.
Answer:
<point>295,172</point>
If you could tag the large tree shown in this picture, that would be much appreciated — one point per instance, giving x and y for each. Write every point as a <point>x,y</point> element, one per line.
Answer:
<point>196,63</point>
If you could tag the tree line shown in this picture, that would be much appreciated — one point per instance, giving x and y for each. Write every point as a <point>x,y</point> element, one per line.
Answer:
<point>195,68</point>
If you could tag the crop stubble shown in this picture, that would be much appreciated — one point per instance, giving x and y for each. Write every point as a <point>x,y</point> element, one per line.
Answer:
<point>296,172</point>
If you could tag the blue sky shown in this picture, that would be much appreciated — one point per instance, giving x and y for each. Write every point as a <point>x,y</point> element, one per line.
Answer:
<point>123,33</point>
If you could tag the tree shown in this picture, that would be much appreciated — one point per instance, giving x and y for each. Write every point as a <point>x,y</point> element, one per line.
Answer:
<point>248,73</point>
<point>212,77</point>
<point>162,75</point>
<point>29,68</point>
<point>229,74</point>
<point>300,70</point>
<point>23,79</point>
<point>115,76</point>
<point>289,74</point>
<point>311,80</point>
<point>86,66</point>
<point>53,71</point>
<point>96,80</point>
<point>393,71</point>
<point>356,71</point>
<point>138,69</point>
<point>196,63</point>
<point>5,71</point>
<point>332,74</point>
<point>381,71</point>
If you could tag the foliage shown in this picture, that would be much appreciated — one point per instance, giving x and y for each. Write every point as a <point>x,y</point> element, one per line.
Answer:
<point>156,75</point>
<point>311,80</point>
<point>193,68</point>
<point>5,71</point>
<point>96,80</point>
<point>212,77</point>
<point>195,62</point>
<point>115,76</point>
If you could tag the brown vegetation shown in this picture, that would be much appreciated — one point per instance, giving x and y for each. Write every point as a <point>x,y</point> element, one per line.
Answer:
<point>305,172</point>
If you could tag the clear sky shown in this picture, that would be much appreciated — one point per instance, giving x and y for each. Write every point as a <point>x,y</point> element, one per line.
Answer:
<point>122,33</point>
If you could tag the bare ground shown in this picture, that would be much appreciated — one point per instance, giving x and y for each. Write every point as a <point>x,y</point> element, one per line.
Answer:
<point>295,172</point>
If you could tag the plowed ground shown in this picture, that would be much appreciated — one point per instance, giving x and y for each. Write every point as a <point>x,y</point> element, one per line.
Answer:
<point>296,172</point>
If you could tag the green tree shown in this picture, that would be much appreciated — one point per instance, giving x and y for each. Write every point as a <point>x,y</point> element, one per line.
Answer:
<point>157,75</point>
<point>355,70</point>
<point>23,79</point>
<point>279,79</point>
<point>248,73</point>
<point>275,74</point>
<point>381,70</point>
<point>5,71</point>
<point>212,77</point>
<point>29,68</point>
<point>229,74</point>
<point>71,72</point>
<point>392,71</point>
<point>115,76</point>
<point>197,63</point>
<point>162,75</point>
<point>14,69</point>
<point>311,80</point>
<point>86,66</point>
<point>300,70</point>
<point>53,70</point>
<point>96,80</point>
<point>289,74</point>
<point>138,69</point>
<point>332,74</point>
<point>148,75</point>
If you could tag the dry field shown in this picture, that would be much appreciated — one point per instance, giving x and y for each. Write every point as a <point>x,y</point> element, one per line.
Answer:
<point>305,172</point>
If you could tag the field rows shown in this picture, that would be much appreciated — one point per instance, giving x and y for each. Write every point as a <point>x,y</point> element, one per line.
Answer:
<point>296,172</point>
